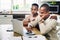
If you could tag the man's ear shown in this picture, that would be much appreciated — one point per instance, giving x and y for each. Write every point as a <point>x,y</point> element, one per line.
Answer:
<point>53,17</point>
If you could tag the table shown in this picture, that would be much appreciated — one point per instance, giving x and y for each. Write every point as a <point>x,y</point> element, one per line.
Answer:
<point>35,30</point>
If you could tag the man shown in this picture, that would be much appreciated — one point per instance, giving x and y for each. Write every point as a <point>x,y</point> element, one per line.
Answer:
<point>46,22</point>
<point>32,17</point>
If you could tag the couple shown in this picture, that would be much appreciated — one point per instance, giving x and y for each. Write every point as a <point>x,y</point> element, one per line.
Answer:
<point>47,22</point>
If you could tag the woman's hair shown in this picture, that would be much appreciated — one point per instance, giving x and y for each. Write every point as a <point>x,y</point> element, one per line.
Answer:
<point>35,4</point>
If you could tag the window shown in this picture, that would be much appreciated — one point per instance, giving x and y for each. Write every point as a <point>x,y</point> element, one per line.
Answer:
<point>5,5</point>
<point>23,5</point>
<point>29,3</point>
<point>16,5</point>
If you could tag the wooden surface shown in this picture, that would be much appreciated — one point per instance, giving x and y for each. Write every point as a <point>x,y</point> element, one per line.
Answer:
<point>17,34</point>
<point>35,30</point>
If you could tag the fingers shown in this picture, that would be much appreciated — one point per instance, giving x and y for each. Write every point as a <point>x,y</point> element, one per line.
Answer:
<point>25,23</point>
<point>29,28</point>
<point>53,17</point>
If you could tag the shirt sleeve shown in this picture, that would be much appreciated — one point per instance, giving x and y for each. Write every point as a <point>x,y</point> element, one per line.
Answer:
<point>34,23</point>
<point>45,28</point>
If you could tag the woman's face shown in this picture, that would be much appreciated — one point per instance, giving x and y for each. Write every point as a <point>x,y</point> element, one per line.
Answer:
<point>34,9</point>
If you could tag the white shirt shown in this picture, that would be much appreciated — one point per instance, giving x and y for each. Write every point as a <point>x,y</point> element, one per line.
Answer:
<point>49,26</point>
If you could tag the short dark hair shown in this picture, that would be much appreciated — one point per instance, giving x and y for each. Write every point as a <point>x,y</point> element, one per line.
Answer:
<point>46,6</point>
<point>35,4</point>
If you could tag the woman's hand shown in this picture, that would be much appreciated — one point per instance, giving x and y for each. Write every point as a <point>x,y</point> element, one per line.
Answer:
<point>29,29</point>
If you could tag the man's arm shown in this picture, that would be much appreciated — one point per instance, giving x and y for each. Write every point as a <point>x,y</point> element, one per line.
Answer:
<point>34,23</point>
<point>45,28</point>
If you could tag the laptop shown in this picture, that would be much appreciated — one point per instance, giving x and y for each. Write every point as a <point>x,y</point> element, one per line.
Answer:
<point>19,28</point>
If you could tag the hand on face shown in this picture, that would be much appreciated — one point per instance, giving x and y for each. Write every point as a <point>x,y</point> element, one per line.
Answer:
<point>44,16</point>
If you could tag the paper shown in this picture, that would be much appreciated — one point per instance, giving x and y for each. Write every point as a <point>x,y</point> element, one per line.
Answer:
<point>25,33</point>
<point>36,37</point>
<point>16,38</point>
<point>6,31</point>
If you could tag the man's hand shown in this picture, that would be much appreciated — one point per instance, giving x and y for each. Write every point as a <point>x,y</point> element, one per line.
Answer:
<point>45,16</point>
<point>53,17</point>
<point>42,21</point>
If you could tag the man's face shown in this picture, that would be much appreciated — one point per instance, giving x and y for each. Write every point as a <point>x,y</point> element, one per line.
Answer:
<point>43,11</point>
<point>34,9</point>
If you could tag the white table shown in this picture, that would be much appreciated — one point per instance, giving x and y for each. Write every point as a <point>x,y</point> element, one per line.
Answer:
<point>35,37</point>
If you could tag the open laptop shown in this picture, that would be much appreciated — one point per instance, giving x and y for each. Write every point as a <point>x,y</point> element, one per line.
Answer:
<point>18,27</point>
